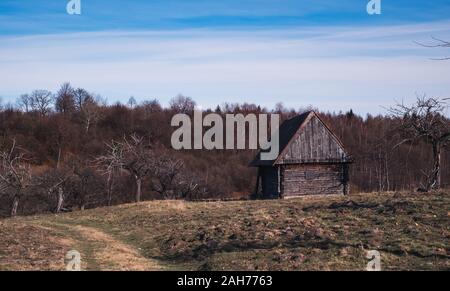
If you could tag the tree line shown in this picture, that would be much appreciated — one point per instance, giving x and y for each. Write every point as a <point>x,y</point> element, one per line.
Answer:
<point>72,150</point>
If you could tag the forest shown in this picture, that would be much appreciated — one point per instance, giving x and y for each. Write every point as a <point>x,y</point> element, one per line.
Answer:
<point>71,150</point>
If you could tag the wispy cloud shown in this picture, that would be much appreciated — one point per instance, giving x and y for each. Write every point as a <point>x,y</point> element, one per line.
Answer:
<point>333,68</point>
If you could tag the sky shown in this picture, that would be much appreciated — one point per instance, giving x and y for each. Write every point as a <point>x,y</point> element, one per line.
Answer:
<point>331,55</point>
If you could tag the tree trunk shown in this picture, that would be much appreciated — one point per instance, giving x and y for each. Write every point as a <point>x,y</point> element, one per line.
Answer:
<point>60,200</point>
<point>109,183</point>
<point>386,169</point>
<point>88,124</point>
<point>435,178</point>
<point>83,196</point>
<point>138,189</point>
<point>59,158</point>
<point>15,205</point>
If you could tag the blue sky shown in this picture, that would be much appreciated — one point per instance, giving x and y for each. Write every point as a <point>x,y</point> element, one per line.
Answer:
<point>329,54</point>
<point>49,16</point>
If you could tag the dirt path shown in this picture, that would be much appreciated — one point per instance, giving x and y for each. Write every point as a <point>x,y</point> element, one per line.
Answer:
<point>111,254</point>
<point>101,251</point>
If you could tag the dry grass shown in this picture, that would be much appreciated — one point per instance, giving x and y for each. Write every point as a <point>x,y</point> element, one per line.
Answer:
<point>324,233</point>
<point>112,254</point>
<point>24,246</point>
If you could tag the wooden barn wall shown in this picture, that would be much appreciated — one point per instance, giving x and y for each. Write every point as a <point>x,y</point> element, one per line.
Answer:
<point>314,143</point>
<point>298,180</point>
<point>269,182</point>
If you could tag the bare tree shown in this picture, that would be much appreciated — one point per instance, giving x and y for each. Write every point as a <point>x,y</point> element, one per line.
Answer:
<point>151,106</point>
<point>188,186</point>
<point>81,96</point>
<point>85,181</point>
<point>90,112</point>
<point>191,185</point>
<point>279,108</point>
<point>110,165</point>
<point>55,181</point>
<point>15,174</point>
<point>65,99</point>
<point>166,176</point>
<point>132,102</point>
<point>88,107</point>
<point>131,155</point>
<point>25,102</point>
<point>139,160</point>
<point>41,101</point>
<point>425,120</point>
<point>182,104</point>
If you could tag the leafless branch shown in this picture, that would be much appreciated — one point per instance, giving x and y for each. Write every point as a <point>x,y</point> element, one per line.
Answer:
<point>439,43</point>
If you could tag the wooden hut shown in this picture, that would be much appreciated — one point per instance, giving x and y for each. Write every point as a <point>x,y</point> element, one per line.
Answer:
<point>312,160</point>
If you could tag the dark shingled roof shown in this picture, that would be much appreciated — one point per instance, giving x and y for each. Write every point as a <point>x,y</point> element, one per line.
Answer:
<point>287,131</point>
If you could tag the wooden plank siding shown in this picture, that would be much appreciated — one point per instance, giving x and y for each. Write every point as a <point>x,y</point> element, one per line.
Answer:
<point>315,143</point>
<point>299,180</point>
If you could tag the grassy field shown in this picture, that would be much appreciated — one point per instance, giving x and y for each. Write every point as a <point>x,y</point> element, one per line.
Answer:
<point>411,231</point>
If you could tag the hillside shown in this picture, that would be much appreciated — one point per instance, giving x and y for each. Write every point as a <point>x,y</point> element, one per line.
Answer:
<point>410,230</point>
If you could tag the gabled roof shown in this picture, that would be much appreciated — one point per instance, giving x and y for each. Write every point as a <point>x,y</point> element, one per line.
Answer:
<point>288,131</point>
